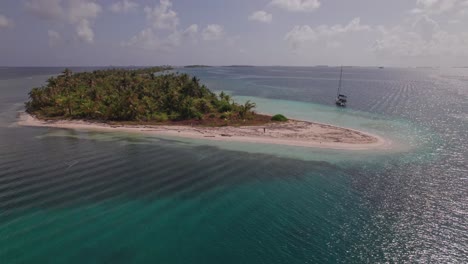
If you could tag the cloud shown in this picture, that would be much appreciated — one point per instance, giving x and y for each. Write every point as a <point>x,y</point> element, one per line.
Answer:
<point>427,3</point>
<point>191,31</point>
<point>454,8</point>
<point>79,13</point>
<point>416,11</point>
<point>46,9</point>
<point>5,22</point>
<point>213,32</point>
<point>84,31</point>
<point>426,27</point>
<point>296,5</point>
<point>80,10</point>
<point>434,6</point>
<point>73,12</point>
<point>123,7</point>
<point>54,38</point>
<point>147,39</point>
<point>420,38</point>
<point>162,32</point>
<point>261,16</point>
<point>300,34</point>
<point>162,16</point>
<point>408,42</point>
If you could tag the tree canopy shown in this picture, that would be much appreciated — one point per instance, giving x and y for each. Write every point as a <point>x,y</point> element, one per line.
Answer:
<point>132,95</point>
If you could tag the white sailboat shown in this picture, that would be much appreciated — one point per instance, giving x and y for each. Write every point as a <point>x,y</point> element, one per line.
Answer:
<point>341,99</point>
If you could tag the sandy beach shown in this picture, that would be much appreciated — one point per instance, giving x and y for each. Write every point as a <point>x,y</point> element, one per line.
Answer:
<point>292,132</point>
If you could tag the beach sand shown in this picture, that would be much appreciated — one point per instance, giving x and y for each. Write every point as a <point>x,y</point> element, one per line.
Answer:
<point>292,132</point>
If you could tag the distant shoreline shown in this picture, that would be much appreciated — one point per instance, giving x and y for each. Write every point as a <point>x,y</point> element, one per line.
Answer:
<point>292,133</point>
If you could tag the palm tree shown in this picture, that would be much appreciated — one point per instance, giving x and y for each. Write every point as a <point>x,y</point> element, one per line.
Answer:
<point>246,108</point>
<point>119,94</point>
<point>67,72</point>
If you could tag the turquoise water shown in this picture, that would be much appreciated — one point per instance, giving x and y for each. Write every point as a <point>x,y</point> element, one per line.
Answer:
<point>86,197</point>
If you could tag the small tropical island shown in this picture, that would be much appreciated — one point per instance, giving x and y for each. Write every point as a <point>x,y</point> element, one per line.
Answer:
<point>158,101</point>
<point>197,66</point>
<point>136,96</point>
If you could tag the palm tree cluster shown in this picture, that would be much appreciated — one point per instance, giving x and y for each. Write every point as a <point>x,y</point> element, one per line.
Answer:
<point>132,95</point>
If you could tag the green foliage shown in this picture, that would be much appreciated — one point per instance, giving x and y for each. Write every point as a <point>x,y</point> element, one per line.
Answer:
<point>279,117</point>
<point>159,117</point>
<point>224,106</point>
<point>131,95</point>
<point>226,115</point>
<point>245,110</point>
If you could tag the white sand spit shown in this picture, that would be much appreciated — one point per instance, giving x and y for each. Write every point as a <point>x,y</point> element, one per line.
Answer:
<point>292,132</point>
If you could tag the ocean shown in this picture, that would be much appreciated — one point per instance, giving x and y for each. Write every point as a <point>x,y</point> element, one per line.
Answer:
<point>69,196</point>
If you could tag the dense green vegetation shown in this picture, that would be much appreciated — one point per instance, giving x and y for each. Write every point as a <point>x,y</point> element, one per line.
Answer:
<point>279,117</point>
<point>133,95</point>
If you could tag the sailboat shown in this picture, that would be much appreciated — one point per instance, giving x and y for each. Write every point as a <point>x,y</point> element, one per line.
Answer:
<point>341,99</point>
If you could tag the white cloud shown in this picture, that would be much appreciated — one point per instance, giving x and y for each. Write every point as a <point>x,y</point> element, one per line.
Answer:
<point>297,5</point>
<point>261,16</point>
<point>213,32</point>
<point>124,6</point>
<point>162,33</point>
<point>408,42</point>
<point>54,38</point>
<point>427,3</point>
<point>162,16</point>
<point>426,27</point>
<point>82,10</point>
<point>434,6</point>
<point>84,31</point>
<point>46,9</point>
<point>148,40</point>
<point>300,34</point>
<point>5,22</point>
<point>422,38</point>
<point>416,11</point>
<point>74,11</point>
<point>191,31</point>
<point>79,13</point>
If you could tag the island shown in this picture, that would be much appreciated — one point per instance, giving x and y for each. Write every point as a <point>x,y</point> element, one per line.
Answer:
<point>197,66</point>
<point>149,95</point>
<point>158,101</point>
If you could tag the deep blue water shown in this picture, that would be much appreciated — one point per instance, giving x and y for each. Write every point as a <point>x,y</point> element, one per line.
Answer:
<point>86,197</point>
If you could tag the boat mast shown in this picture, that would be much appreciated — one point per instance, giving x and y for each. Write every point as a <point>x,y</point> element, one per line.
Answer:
<point>339,86</point>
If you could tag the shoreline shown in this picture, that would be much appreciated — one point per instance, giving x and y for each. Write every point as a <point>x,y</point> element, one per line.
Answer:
<point>291,133</point>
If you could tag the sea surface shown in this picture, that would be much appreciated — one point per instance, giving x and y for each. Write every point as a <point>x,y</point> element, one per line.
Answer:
<point>69,196</point>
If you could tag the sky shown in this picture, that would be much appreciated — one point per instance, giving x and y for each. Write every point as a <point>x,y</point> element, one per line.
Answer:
<point>226,32</point>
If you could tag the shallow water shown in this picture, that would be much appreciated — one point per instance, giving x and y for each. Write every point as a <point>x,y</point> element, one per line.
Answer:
<point>80,197</point>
